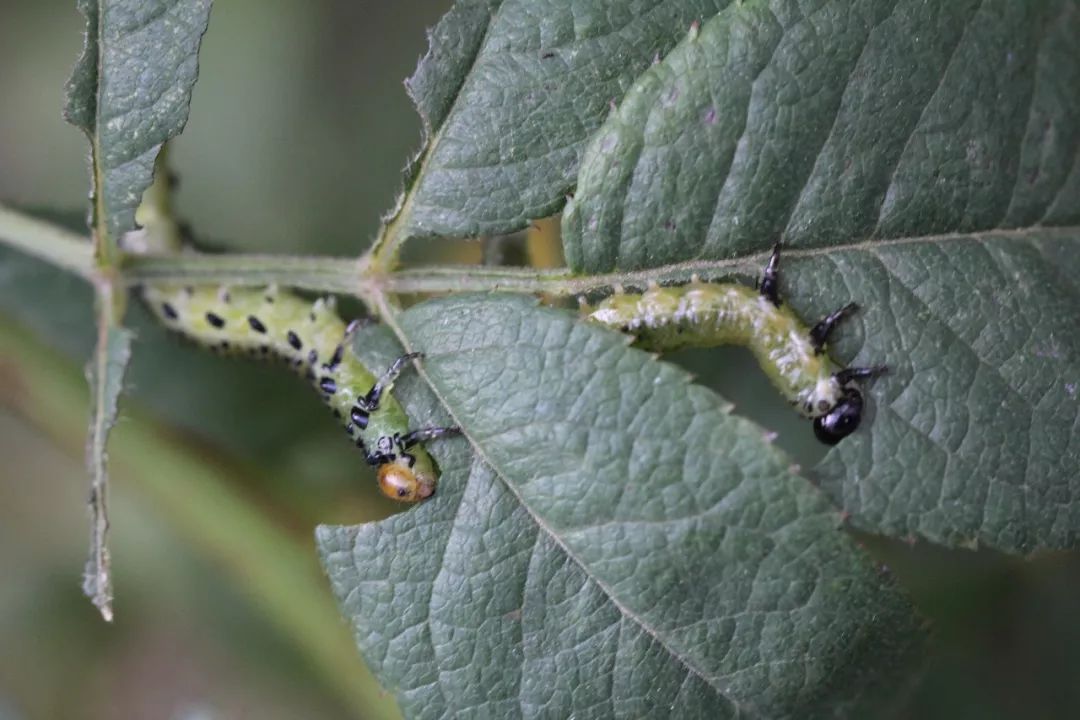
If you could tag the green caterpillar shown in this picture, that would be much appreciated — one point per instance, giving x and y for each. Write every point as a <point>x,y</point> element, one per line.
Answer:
<point>709,314</point>
<point>314,341</point>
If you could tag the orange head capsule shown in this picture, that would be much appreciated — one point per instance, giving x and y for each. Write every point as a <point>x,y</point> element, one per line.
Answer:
<point>400,483</point>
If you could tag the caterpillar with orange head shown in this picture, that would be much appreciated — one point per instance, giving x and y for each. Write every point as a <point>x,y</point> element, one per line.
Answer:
<point>314,341</point>
<point>792,355</point>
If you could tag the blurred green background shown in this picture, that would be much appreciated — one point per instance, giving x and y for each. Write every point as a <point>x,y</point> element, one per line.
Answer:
<point>221,469</point>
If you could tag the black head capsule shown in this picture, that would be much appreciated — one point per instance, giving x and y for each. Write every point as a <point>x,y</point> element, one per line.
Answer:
<point>842,420</point>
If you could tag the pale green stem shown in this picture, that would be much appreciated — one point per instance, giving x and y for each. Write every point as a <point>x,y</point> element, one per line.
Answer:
<point>62,248</point>
<point>556,281</point>
<point>358,277</point>
<point>344,275</point>
<point>320,274</point>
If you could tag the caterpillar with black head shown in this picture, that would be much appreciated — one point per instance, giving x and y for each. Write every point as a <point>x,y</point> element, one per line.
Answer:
<point>709,314</point>
<point>314,341</point>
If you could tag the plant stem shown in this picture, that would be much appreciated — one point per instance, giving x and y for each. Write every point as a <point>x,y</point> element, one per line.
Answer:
<point>53,244</point>
<point>556,281</point>
<point>348,276</point>
<point>321,274</point>
<point>360,278</point>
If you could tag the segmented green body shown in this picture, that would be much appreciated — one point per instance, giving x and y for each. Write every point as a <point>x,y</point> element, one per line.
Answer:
<point>313,340</point>
<point>708,314</point>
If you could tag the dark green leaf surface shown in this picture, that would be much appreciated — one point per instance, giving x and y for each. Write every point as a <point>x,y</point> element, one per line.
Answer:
<point>975,433</point>
<point>921,159</point>
<point>130,92</point>
<point>823,122</point>
<point>619,546</point>
<point>510,91</point>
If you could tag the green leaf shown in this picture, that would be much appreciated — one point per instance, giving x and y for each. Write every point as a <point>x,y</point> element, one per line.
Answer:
<point>130,92</point>
<point>975,435</point>
<point>105,373</point>
<point>920,159</point>
<point>619,546</point>
<point>849,119</point>
<point>509,92</point>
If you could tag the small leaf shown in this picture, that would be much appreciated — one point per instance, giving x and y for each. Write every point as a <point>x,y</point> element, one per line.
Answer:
<point>105,373</point>
<point>130,92</point>
<point>509,92</point>
<point>922,160</point>
<point>619,546</point>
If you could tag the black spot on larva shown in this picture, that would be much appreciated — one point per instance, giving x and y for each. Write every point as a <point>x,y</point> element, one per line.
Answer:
<point>313,357</point>
<point>224,345</point>
<point>309,376</point>
<point>311,317</point>
<point>337,413</point>
<point>264,349</point>
<point>359,417</point>
<point>270,299</point>
<point>256,324</point>
<point>294,340</point>
<point>349,430</point>
<point>360,444</point>
<point>296,363</point>
<point>225,297</point>
<point>169,310</point>
<point>215,320</point>
<point>328,385</point>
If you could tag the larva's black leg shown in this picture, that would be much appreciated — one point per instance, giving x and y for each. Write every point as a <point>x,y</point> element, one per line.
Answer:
<point>770,280</point>
<point>351,329</point>
<point>860,373</point>
<point>377,458</point>
<point>416,437</point>
<point>357,324</point>
<point>820,334</point>
<point>370,401</point>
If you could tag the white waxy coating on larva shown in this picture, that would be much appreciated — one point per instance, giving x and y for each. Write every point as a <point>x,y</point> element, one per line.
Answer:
<point>709,314</point>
